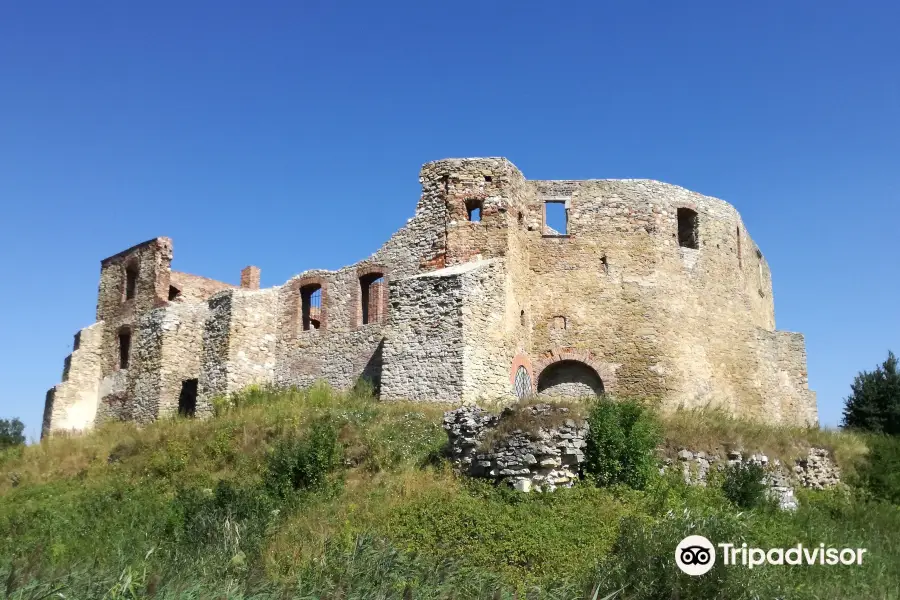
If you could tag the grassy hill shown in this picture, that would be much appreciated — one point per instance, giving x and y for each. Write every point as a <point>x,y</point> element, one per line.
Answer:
<point>318,494</point>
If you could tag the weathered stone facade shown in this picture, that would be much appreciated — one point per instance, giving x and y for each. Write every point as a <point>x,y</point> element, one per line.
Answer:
<point>651,290</point>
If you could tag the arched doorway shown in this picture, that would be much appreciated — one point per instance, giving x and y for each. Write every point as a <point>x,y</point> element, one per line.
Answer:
<point>569,379</point>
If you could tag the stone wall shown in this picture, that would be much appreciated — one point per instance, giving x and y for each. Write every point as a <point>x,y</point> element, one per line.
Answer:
<point>72,404</point>
<point>463,304</point>
<point>546,456</point>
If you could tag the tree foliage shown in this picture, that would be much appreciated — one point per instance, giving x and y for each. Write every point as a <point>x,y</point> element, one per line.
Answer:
<point>874,404</point>
<point>11,433</point>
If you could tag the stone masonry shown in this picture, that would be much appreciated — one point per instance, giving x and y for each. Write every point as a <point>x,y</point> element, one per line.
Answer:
<point>648,290</point>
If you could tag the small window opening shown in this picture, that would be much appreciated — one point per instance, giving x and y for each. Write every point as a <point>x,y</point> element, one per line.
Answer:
<point>522,318</point>
<point>187,399</point>
<point>488,178</point>
<point>311,306</point>
<point>174,293</point>
<point>556,218</point>
<point>372,297</point>
<point>559,322</point>
<point>521,217</point>
<point>740,258</point>
<point>124,348</point>
<point>687,228</point>
<point>605,264</point>
<point>473,210</point>
<point>131,275</point>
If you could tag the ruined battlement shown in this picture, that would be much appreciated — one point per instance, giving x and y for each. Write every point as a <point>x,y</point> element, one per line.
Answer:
<point>647,289</point>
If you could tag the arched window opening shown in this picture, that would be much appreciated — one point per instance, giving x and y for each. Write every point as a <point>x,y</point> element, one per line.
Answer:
<point>559,322</point>
<point>523,383</point>
<point>311,306</point>
<point>131,277</point>
<point>569,379</point>
<point>372,292</point>
<point>124,338</point>
<point>688,229</point>
<point>473,210</point>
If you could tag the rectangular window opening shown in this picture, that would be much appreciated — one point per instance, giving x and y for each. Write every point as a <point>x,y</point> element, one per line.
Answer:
<point>556,218</point>
<point>372,298</point>
<point>311,306</point>
<point>131,275</point>
<point>473,210</point>
<point>124,349</point>
<point>688,234</point>
<point>187,399</point>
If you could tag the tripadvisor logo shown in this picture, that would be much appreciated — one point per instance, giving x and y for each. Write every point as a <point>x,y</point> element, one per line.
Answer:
<point>696,555</point>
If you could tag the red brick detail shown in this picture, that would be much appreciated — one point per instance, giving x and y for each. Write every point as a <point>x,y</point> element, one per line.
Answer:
<point>522,360</point>
<point>439,261</point>
<point>250,278</point>
<point>362,271</point>
<point>605,371</point>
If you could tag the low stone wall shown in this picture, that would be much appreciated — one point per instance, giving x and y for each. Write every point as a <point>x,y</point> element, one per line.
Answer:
<point>816,470</point>
<point>548,453</point>
<point>541,459</point>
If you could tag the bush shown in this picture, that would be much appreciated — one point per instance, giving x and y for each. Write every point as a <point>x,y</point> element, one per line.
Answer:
<point>621,443</point>
<point>303,463</point>
<point>880,473</point>
<point>744,484</point>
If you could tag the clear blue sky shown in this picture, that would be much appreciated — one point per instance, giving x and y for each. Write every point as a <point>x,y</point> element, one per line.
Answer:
<point>289,135</point>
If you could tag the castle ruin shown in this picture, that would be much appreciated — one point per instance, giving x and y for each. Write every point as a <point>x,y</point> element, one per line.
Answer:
<point>650,290</point>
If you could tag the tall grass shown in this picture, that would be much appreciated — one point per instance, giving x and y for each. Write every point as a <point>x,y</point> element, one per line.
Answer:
<point>319,494</point>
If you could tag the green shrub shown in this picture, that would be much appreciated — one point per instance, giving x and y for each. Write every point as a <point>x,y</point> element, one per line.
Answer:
<point>880,473</point>
<point>744,484</point>
<point>303,463</point>
<point>621,443</point>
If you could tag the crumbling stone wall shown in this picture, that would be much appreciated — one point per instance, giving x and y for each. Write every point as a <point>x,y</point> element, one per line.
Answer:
<point>73,403</point>
<point>509,300</point>
<point>542,459</point>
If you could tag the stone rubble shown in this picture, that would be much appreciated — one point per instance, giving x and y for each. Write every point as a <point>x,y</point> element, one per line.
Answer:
<point>551,457</point>
<point>542,460</point>
<point>816,471</point>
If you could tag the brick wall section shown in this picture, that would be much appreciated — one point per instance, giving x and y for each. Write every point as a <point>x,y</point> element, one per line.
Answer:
<point>195,288</point>
<point>618,294</point>
<point>250,278</point>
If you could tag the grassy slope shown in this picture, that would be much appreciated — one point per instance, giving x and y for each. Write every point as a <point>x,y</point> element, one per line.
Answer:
<point>181,509</point>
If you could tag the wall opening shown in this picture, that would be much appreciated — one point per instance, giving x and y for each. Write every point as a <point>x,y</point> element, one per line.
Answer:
<point>488,178</point>
<point>174,293</point>
<point>559,322</point>
<point>187,399</point>
<point>473,210</point>
<point>605,263</point>
<point>372,288</point>
<point>311,306</point>
<point>522,318</point>
<point>124,348</point>
<point>521,218</point>
<point>759,273</point>
<point>556,218</point>
<point>522,383</point>
<point>569,379</point>
<point>131,276</point>
<point>688,229</point>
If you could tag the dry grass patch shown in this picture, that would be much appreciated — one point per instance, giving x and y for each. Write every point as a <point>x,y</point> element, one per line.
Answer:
<point>717,432</point>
